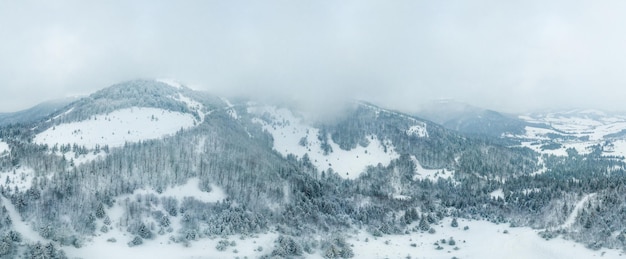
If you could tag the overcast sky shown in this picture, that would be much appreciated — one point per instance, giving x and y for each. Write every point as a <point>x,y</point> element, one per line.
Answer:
<point>508,55</point>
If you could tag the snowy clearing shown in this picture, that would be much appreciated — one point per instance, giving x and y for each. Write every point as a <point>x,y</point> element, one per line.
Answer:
<point>432,174</point>
<point>4,148</point>
<point>20,178</point>
<point>189,189</point>
<point>162,247</point>
<point>499,193</point>
<point>292,136</point>
<point>20,226</point>
<point>579,206</point>
<point>418,131</point>
<point>117,128</point>
<point>482,240</point>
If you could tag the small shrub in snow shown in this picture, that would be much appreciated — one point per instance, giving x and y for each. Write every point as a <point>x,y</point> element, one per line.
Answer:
<point>135,242</point>
<point>454,223</point>
<point>465,228</point>
<point>222,245</point>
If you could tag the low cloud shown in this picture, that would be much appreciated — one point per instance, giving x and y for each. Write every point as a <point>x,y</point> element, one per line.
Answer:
<point>508,56</point>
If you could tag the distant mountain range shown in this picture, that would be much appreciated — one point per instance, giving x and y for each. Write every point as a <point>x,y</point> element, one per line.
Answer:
<point>35,113</point>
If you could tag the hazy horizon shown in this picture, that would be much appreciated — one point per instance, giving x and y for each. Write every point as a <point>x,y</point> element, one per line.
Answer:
<point>509,57</point>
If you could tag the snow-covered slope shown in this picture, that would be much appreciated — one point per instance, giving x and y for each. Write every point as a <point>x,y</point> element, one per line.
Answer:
<point>4,148</point>
<point>482,239</point>
<point>118,127</point>
<point>432,174</point>
<point>292,135</point>
<point>577,129</point>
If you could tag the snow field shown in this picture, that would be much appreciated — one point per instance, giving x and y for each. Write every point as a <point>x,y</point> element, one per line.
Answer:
<point>574,214</point>
<point>4,148</point>
<point>483,239</point>
<point>21,178</point>
<point>189,189</point>
<point>594,125</point>
<point>292,136</point>
<point>161,246</point>
<point>117,128</point>
<point>418,131</point>
<point>432,174</point>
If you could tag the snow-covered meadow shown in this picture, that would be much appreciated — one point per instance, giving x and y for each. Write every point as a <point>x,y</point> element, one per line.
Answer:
<point>117,128</point>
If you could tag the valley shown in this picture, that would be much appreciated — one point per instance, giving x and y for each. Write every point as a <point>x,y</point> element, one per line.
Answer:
<point>153,168</point>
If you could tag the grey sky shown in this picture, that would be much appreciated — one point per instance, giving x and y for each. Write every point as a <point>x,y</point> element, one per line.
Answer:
<point>506,55</point>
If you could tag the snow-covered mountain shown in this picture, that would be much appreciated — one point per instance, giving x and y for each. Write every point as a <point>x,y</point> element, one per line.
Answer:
<point>474,120</point>
<point>35,113</point>
<point>151,167</point>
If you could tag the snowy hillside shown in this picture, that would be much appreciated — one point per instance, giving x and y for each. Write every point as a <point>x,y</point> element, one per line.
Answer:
<point>292,135</point>
<point>118,127</point>
<point>228,178</point>
<point>4,148</point>
<point>577,129</point>
<point>481,239</point>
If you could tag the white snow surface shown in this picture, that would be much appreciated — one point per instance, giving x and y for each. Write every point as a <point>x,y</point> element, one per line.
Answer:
<point>82,159</point>
<point>499,193</point>
<point>579,206</point>
<point>288,131</point>
<point>432,174</point>
<point>417,130</point>
<point>230,110</point>
<point>4,148</point>
<point>20,226</point>
<point>482,240</point>
<point>189,189</point>
<point>21,177</point>
<point>162,247</point>
<point>118,127</point>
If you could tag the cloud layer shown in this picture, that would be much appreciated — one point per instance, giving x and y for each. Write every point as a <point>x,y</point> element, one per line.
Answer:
<point>511,56</point>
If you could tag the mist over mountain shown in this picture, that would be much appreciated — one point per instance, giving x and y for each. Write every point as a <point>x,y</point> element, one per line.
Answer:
<point>35,113</point>
<point>153,167</point>
<point>473,120</point>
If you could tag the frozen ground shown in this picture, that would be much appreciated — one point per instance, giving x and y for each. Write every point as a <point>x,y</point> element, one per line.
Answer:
<point>482,239</point>
<point>117,128</point>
